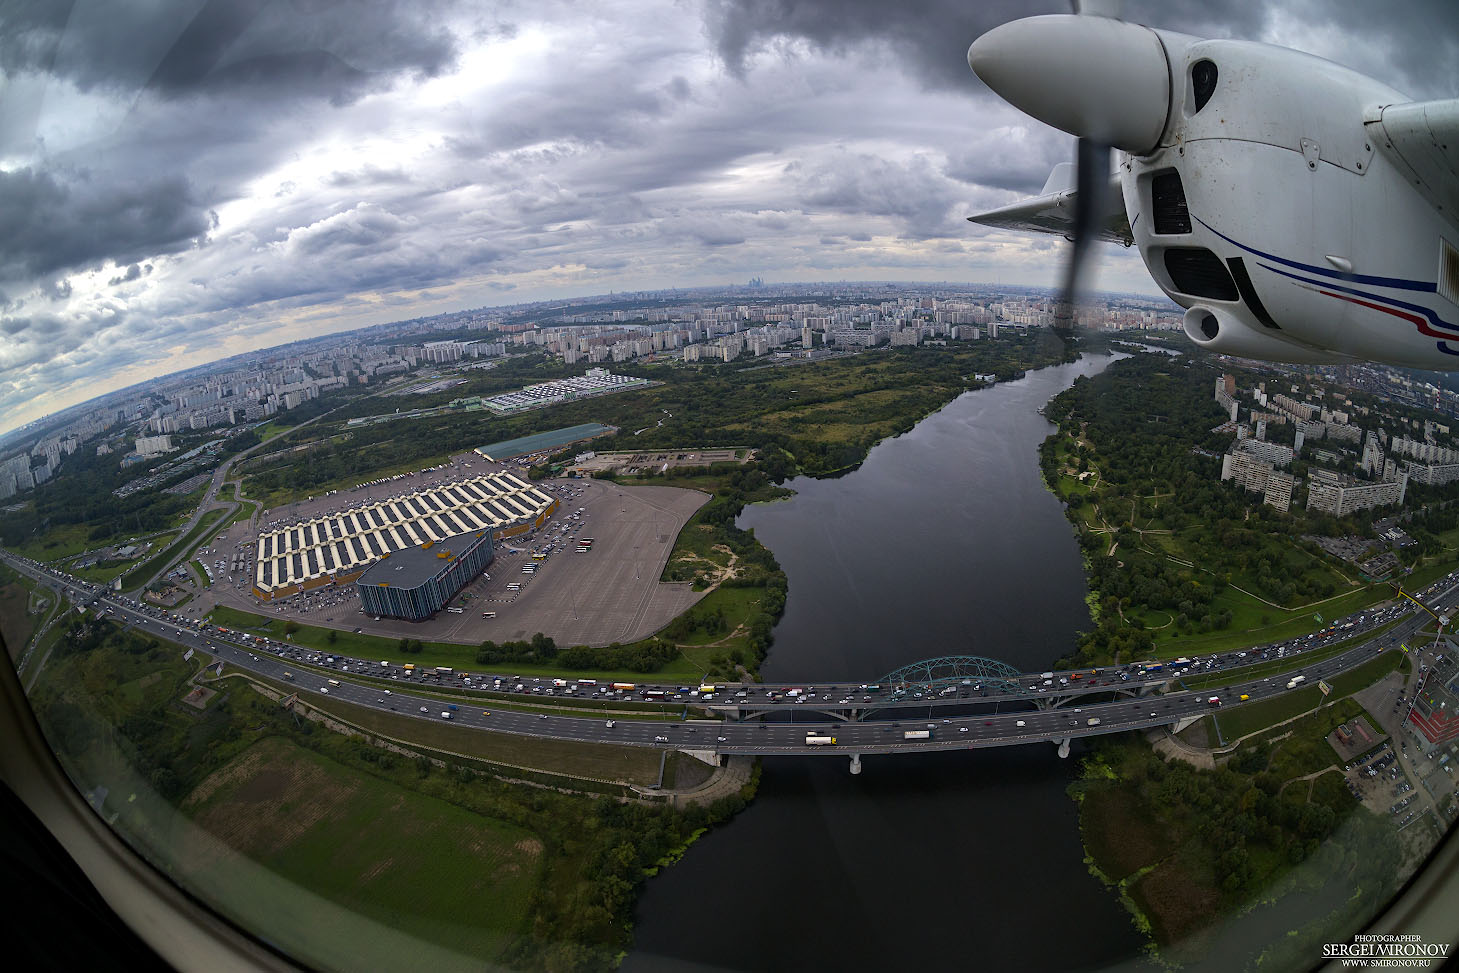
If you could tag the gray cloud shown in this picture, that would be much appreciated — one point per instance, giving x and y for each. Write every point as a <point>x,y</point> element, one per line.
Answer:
<point>915,194</point>
<point>179,177</point>
<point>66,220</point>
<point>1413,44</point>
<point>330,48</point>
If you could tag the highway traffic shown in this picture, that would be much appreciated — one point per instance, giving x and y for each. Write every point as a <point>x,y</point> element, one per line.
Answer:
<point>1051,704</point>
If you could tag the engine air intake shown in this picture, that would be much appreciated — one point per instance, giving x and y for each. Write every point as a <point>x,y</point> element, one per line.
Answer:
<point>1199,272</point>
<point>1167,198</point>
<point>1203,81</point>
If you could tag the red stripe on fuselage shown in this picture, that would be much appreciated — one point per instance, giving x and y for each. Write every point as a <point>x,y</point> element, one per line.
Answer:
<point>1418,322</point>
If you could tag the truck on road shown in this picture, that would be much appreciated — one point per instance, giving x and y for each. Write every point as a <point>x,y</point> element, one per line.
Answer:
<point>1296,681</point>
<point>819,740</point>
<point>917,735</point>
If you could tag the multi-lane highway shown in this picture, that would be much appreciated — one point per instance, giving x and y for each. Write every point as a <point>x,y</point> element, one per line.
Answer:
<point>1039,707</point>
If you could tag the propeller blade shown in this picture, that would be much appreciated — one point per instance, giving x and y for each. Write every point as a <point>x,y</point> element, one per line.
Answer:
<point>1098,8</point>
<point>1090,181</point>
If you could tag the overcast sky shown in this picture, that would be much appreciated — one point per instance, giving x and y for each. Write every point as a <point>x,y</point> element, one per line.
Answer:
<point>183,180</point>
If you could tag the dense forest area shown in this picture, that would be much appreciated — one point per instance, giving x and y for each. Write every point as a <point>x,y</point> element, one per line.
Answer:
<point>822,416</point>
<point>1192,847</point>
<point>1137,461</point>
<point>81,498</point>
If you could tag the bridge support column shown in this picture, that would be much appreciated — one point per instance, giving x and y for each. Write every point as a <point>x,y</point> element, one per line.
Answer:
<point>1064,748</point>
<point>856,763</point>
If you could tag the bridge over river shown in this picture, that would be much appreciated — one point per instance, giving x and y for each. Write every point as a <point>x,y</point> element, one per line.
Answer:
<point>947,703</point>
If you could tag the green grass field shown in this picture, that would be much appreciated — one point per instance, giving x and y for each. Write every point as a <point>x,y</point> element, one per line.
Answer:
<point>1241,721</point>
<point>104,572</point>
<point>16,623</point>
<point>143,572</point>
<point>421,865</point>
<point>1274,666</point>
<point>631,765</point>
<point>56,543</point>
<point>1238,721</point>
<point>270,499</point>
<point>1253,623</point>
<point>1306,750</point>
<point>452,654</point>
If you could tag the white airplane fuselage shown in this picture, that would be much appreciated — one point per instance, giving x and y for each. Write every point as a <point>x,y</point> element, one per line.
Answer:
<point>1340,252</point>
<point>1298,210</point>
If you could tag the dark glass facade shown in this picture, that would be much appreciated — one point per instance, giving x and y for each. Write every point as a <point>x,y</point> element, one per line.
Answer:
<point>417,582</point>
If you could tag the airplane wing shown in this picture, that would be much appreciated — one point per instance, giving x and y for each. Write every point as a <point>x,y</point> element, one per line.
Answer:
<point>1052,211</point>
<point>1422,139</point>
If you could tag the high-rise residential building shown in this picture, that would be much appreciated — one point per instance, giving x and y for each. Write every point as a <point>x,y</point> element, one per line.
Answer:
<point>1336,495</point>
<point>154,445</point>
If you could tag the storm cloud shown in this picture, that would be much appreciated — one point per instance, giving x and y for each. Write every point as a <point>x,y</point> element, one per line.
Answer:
<point>186,179</point>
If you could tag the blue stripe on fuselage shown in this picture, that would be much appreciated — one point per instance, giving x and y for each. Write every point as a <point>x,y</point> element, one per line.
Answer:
<point>1396,282</point>
<point>1429,313</point>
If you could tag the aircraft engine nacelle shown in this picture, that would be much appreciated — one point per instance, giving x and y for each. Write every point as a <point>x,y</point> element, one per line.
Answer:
<point>1280,211</point>
<point>1304,207</point>
<point>1218,330</point>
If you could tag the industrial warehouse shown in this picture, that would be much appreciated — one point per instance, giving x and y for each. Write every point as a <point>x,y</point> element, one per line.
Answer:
<point>416,582</point>
<point>338,548</point>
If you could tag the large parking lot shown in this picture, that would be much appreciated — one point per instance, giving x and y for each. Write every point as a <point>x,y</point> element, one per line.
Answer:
<point>609,593</point>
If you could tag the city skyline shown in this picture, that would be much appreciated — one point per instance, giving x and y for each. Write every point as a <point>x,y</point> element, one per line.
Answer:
<point>182,187</point>
<point>731,309</point>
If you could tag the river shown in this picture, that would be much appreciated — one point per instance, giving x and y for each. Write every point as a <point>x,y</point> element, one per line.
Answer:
<point>945,541</point>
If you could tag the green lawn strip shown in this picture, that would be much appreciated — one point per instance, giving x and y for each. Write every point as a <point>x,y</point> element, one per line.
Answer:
<point>15,619</point>
<point>432,654</point>
<point>487,699</point>
<point>1366,674</point>
<point>506,751</point>
<point>143,572</point>
<point>201,573</point>
<point>103,572</point>
<point>58,542</point>
<point>464,884</point>
<point>1247,629</point>
<point>270,429</point>
<point>1239,721</point>
<point>1272,667</point>
<point>272,499</point>
<point>1425,574</point>
<point>58,603</point>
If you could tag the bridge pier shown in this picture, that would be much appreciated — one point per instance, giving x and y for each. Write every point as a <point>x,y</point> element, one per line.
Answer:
<point>1064,748</point>
<point>856,763</point>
